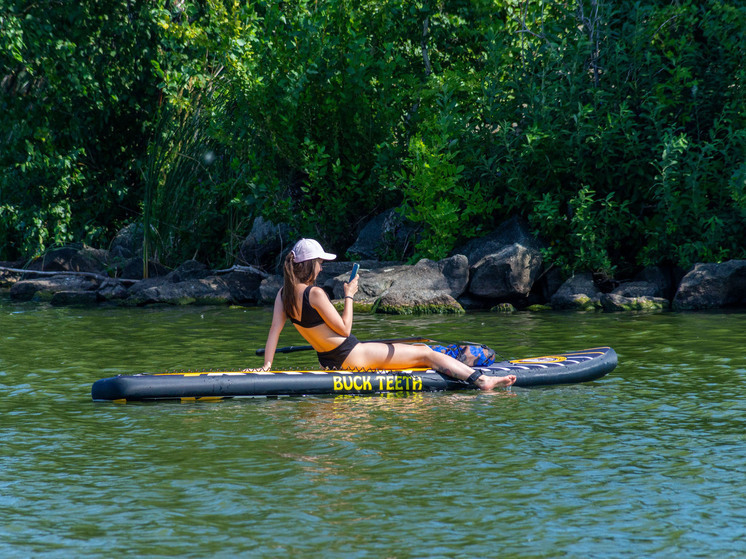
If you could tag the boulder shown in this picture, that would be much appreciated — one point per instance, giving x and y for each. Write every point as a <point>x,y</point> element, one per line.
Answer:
<point>712,286</point>
<point>132,269</point>
<point>334,272</point>
<point>243,286</point>
<point>664,278</point>
<point>263,244</point>
<point>612,302</point>
<point>471,303</point>
<point>268,289</point>
<point>44,288</point>
<point>189,270</point>
<point>69,259</point>
<point>134,293</point>
<point>635,296</point>
<point>207,291</point>
<point>455,270</point>
<point>372,282</point>
<point>127,242</point>
<point>420,302</point>
<point>632,289</point>
<point>426,287</point>
<point>111,290</point>
<point>449,276</point>
<point>507,275</point>
<point>547,284</point>
<point>577,293</point>
<point>7,277</point>
<point>512,232</point>
<point>385,236</point>
<point>503,307</point>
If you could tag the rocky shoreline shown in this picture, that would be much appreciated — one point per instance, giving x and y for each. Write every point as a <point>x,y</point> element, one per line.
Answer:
<point>502,271</point>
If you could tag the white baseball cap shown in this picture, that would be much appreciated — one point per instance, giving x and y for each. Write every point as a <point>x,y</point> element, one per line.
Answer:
<point>308,249</point>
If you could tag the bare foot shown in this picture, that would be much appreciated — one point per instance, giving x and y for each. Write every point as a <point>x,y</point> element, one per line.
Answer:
<point>487,382</point>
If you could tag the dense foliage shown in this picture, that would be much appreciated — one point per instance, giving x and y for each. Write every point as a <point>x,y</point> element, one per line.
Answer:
<point>616,129</point>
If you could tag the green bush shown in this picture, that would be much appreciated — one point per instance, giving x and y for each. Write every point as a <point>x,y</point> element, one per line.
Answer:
<point>76,92</point>
<point>614,128</point>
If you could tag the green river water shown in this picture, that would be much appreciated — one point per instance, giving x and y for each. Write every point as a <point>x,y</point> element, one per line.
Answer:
<point>649,461</point>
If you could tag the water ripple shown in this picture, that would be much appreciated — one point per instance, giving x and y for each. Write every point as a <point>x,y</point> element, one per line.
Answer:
<point>647,462</point>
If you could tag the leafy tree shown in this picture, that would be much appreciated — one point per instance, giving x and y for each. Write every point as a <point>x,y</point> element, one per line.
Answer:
<point>614,128</point>
<point>77,91</point>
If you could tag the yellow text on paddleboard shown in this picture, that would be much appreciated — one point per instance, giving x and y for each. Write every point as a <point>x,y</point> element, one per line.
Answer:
<point>365,383</point>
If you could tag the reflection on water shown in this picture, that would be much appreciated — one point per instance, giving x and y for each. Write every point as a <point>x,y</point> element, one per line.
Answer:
<point>646,462</point>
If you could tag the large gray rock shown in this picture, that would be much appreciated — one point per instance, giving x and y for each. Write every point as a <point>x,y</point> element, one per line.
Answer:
<point>132,268</point>
<point>512,232</point>
<point>334,272</point>
<point>388,235</point>
<point>664,278</point>
<point>612,302</point>
<point>264,244</point>
<point>547,284</point>
<point>426,287</point>
<point>44,288</point>
<point>577,293</point>
<point>712,286</point>
<point>448,276</point>
<point>507,275</point>
<point>635,296</point>
<point>455,270</point>
<point>243,286</point>
<point>188,270</point>
<point>69,259</point>
<point>112,290</point>
<point>268,289</point>
<point>128,242</point>
<point>420,302</point>
<point>208,291</point>
<point>633,289</point>
<point>8,278</point>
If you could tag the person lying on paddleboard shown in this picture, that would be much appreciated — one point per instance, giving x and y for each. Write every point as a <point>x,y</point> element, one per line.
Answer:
<point>308,307</point>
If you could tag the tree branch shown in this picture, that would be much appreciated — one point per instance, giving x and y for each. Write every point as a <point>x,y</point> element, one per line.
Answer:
<point>423,44</point>
<point>24,271</point>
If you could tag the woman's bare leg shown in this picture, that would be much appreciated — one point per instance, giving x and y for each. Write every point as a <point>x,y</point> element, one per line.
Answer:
<point>376,355</point>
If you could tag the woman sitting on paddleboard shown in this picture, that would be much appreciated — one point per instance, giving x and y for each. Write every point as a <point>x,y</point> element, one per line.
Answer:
<point>310,310</point>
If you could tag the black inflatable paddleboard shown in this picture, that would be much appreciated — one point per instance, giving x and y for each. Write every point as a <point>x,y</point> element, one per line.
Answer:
<point>560,368</point>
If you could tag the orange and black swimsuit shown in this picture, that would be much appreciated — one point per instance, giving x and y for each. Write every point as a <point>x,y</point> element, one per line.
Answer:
<point>335,358</point>
<point>310,317</point>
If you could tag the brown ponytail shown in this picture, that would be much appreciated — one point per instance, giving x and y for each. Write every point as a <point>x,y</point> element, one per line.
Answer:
<point>295,273</point>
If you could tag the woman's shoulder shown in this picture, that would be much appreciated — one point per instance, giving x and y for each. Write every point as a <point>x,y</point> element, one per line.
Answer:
<point>316,292</point>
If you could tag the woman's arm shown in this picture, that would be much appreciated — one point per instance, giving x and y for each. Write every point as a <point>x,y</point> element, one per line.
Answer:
<point>342,325</point>
<point>278,323</point>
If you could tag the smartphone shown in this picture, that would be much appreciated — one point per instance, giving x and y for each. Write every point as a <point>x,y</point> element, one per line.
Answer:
<point>355,267</point>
